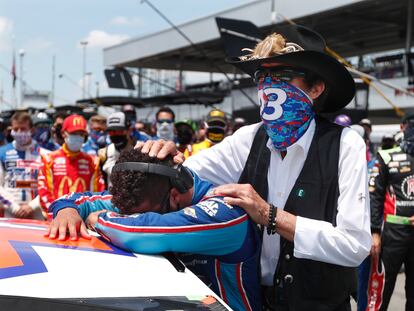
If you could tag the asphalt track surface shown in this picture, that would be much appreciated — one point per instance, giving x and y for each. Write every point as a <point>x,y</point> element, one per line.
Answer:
<point>398,296</point>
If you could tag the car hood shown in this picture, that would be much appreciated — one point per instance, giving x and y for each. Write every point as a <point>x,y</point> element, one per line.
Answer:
<point>32,265</point>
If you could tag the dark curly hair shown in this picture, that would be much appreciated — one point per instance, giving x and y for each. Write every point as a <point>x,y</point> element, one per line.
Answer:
<point>131,188</point>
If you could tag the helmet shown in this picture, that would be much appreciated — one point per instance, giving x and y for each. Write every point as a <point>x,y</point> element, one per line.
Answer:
<point>42,118</point>
<point>343,120</point>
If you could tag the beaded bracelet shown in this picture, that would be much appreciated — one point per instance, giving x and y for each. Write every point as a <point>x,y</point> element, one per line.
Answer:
<point>271,224</point>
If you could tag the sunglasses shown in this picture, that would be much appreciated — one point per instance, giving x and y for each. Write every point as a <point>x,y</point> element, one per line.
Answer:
<point>282,74</point>
<point>169,121</point>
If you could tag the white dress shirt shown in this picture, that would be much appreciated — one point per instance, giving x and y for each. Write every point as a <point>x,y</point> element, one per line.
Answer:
<point>348,243</point>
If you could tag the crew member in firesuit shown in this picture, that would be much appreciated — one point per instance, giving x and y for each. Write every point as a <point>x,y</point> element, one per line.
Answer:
<point>216,130</point>
<point>19,164</point>
<point>392,213</point>
<point>119,131</point>
<point>68,169</point>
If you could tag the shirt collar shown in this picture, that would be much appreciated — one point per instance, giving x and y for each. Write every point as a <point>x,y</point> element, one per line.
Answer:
<point>302,144</point>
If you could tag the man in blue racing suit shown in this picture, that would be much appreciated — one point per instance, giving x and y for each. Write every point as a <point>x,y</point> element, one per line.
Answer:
<point>160,214</point>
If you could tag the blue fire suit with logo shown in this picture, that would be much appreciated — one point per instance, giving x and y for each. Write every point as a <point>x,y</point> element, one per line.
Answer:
<point>18,177</point>
<point>221,238</point>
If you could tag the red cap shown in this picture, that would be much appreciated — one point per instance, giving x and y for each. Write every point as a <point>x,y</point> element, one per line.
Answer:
<point>74,123</point>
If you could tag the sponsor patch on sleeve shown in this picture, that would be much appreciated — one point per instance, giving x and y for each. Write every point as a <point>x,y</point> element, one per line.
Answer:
<point>189,211</point>
<point>210,207</point>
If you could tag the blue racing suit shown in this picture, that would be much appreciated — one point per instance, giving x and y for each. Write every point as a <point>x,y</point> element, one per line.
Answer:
<point>18,176</point>
<point>222,239</point>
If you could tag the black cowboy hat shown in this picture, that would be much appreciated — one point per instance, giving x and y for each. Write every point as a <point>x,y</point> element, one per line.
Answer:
<point>339,82</point>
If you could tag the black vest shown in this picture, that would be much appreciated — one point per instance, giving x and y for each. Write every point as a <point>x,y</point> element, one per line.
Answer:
<point>303,284</point>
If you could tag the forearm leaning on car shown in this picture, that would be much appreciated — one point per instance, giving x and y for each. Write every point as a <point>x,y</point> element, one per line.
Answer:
<point>68,210</point>
<point>188,230</point>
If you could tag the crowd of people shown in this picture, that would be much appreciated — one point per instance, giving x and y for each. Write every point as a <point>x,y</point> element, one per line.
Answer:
<point>44,157</point>
<point>277,214</point>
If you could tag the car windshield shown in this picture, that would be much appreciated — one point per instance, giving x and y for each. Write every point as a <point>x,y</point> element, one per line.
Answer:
<point>206,303</point>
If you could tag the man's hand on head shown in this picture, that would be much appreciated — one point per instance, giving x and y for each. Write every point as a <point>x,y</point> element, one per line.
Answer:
<point>67,220</point>
<point>160,149</point>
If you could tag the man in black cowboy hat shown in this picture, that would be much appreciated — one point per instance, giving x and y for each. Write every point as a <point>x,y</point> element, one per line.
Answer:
<point>302,178</point>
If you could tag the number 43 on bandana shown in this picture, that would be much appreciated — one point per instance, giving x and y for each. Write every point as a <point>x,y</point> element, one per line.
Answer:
<point>286,111</point>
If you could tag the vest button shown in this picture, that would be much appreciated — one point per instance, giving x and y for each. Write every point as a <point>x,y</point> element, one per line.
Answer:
<point>289,279</point>
<point>287,256</point>
<point>277,281</point>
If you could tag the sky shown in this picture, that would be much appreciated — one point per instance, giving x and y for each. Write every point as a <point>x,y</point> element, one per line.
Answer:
<point>44,28</point>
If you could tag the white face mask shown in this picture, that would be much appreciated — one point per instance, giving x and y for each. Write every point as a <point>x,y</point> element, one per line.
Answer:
<point>165,130</point>
<point>22,139</point>
<point>74,142</point>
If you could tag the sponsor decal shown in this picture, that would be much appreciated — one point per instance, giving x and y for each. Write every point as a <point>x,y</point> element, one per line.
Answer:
<point>189,211</point>
<point>26,184</point>
<point>221,201</point>
<point>77,121</point>
<point>375,284</point>
<point>210,207</point>
<point>399,157</point>
<point>86,173</point>
<point>394,164</point>
<point>405,203</point>
<point>405,169</point>
<point>17,256</point>
<point>300,193</point>
<point>60,173</point>
<point>393,170</point>
<point>405,163</point>
<point>72,186</point>
<point>28,164</point>
<point>59,160</point>
<point>407,187</point>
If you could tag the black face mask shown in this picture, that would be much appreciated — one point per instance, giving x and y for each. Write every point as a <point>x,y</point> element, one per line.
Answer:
<point>120,141</point>
<point>184,136</point>
<point>215,134</point>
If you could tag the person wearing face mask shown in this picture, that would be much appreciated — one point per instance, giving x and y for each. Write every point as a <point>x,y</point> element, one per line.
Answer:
<point>20,161</point>
<point>300,177</point>
<point>165,124</point>
<point>97,137</point>
<point>43,135</point>
<point>392,215</point>
<point>119,131</point>
<point>215,130</point>
<point>68,169</point>
<point>185,137</point>
<point>57,129</point>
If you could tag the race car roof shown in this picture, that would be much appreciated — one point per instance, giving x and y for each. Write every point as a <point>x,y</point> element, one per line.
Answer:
<point>32,265</point>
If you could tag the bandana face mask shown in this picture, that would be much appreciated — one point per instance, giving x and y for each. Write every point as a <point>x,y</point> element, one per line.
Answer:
<point>286,111</point>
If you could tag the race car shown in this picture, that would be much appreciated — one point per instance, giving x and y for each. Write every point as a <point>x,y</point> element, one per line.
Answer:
<point>37,273</point>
